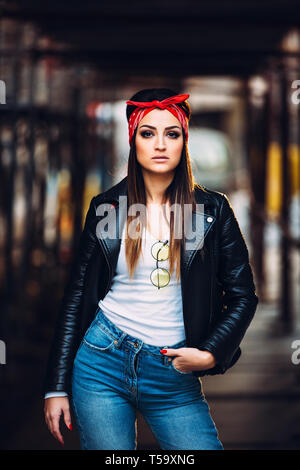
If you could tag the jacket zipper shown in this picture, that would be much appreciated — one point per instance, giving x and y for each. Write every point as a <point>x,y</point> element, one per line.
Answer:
<point>212,280</point>
<point>109,268</point>
<point>108,264</point>
<point>211,293</point>
<point>182,293</point>
<point>211,288</point>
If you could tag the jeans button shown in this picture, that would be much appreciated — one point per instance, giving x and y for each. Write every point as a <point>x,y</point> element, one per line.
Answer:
<point>136,345</point>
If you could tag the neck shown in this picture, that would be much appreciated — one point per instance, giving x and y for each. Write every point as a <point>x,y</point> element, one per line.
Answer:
<point>155,187</point>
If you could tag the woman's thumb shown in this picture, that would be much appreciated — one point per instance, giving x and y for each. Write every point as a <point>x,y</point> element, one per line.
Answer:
<point>67,419</point>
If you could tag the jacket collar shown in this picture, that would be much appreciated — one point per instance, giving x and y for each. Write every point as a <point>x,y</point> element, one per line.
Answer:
<point>199,219</point>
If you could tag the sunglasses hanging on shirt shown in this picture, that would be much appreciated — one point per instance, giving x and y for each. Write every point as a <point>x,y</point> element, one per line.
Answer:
<point>160,277</point>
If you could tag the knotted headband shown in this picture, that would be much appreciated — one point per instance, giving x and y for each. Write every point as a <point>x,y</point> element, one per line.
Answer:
<point>144,107</point>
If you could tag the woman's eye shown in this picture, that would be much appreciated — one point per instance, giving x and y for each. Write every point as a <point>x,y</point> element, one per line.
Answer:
<point>145,132</point>
<point>174,135</point>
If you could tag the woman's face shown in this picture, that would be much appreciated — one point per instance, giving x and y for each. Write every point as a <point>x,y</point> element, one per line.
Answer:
<point>159,134</point>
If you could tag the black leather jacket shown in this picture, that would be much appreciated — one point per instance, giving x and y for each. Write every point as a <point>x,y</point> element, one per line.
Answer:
<point>218,291</point>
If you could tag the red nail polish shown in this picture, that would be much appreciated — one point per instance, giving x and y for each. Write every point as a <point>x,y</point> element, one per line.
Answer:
<point>70,427</point>
<point>163,351</point>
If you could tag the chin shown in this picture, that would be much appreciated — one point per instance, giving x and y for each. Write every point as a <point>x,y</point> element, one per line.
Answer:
<point>161,171</point>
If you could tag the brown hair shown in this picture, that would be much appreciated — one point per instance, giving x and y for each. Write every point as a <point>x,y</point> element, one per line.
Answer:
<point>180,191</point>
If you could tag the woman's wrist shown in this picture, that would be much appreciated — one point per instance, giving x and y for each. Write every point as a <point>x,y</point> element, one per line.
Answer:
<point>207,359</point>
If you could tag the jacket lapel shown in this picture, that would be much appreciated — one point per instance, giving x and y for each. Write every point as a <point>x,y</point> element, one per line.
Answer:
<point>203,222</point>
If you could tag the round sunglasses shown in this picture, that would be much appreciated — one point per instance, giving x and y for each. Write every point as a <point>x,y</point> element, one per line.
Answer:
<point>160,277</point>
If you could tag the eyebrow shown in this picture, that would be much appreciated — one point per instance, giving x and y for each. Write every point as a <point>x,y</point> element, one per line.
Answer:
<point>152,127</point>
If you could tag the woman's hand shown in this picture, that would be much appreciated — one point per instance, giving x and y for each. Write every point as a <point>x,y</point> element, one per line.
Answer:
<point>53,409</point>
<point>189,359</point>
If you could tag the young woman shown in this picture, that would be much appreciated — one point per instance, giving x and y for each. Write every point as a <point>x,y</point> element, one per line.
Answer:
<point>161,298</point>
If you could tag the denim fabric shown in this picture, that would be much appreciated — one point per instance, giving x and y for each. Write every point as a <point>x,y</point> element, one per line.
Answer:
<point>115,374</point>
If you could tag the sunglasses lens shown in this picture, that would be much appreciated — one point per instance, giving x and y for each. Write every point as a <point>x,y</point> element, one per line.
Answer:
<point>160,251</point>
<point>160,277</point>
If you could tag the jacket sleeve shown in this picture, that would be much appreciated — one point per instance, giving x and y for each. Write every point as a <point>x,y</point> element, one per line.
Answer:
<point>240,299</point>
<point>65,340</point>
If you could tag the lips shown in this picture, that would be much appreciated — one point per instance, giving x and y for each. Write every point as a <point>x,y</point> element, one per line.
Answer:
<point>162,157</point>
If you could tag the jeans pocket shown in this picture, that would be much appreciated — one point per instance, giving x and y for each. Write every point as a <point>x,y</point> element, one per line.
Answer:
<point>82,340</point>
<point>98,338</point>
<point>179,371</point>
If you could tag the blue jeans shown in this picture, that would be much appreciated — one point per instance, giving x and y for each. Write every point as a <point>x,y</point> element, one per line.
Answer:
<point>115,374</point>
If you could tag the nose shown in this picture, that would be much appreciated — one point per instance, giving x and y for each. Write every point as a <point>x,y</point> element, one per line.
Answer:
<point>160,142</point>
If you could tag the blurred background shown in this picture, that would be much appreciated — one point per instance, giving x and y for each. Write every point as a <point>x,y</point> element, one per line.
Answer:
<point>66,70</point>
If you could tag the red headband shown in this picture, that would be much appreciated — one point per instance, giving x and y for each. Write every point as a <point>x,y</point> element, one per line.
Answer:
<point>144,107</point>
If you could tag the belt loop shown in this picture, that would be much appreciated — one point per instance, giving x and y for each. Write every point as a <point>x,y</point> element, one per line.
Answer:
<point>165,358</point>
<point>118,342</point>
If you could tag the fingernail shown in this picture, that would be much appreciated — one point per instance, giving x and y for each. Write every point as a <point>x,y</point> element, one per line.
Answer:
<point>70,427</point>
<point>163,351</point>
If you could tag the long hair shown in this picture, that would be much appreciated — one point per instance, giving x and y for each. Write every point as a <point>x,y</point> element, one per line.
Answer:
<point>179,192</point>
